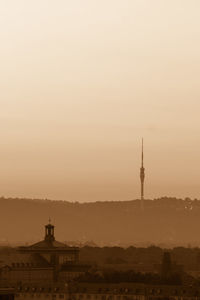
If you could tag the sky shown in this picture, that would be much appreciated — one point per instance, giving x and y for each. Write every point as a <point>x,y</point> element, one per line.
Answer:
<point>82,81</point>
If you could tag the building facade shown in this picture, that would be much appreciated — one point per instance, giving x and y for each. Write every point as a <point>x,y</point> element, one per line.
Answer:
<point>120,291</point>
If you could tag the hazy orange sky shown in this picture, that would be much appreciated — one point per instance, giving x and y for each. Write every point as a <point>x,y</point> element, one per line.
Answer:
<point>82,81</point>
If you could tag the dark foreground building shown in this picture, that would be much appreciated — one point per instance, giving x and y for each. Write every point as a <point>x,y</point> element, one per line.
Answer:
<point>7,293</point>
<point>92,291</point>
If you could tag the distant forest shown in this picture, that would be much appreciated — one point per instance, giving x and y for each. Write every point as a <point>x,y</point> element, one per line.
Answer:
<point>137,259</point>
<point>147,259</point>
<point>165,222</point>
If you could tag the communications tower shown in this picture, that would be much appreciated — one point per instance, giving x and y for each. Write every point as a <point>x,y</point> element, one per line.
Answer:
<point>142,176</point>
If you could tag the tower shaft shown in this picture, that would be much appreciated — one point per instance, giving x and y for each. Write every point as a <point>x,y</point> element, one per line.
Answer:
<point>142,176</point>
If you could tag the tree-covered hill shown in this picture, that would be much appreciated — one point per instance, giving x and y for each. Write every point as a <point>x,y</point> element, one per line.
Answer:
<point>168,221</point>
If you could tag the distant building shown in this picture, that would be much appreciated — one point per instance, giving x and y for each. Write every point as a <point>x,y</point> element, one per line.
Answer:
<point>168,267</point>
<point>47,260</point>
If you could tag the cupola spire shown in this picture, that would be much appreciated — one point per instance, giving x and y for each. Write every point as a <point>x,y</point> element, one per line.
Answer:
<point>49,231</point>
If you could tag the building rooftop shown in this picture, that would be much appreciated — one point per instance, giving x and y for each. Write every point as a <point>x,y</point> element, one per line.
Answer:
<point>16,260</point>
<point>48,243</point>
